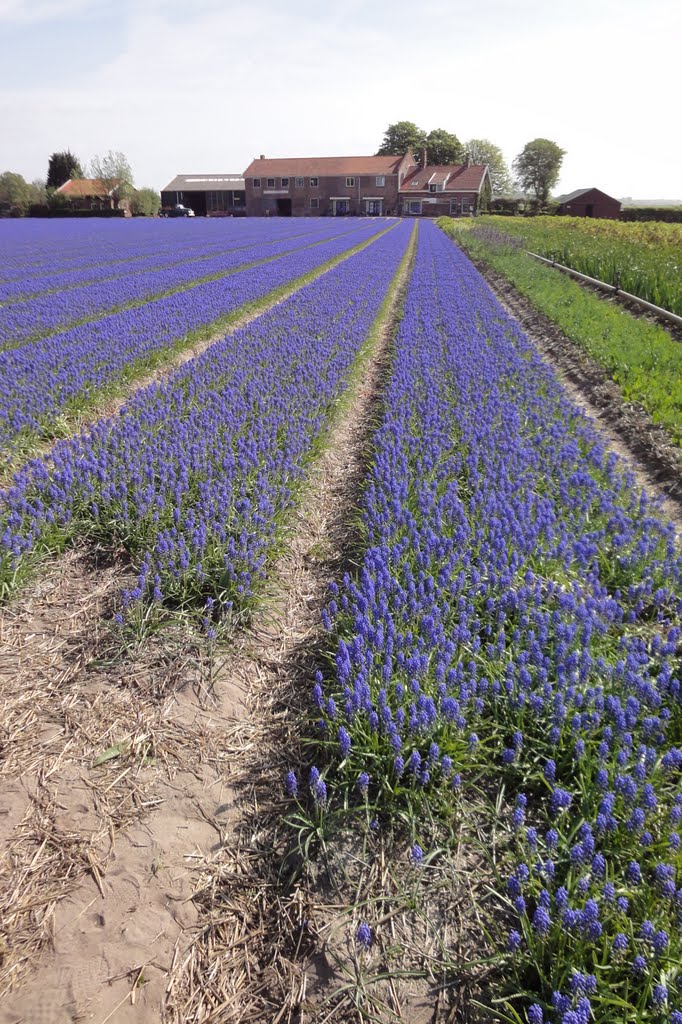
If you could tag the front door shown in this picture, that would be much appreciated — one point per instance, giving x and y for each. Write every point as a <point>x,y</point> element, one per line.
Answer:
<point>342,207</point>
<point>284,207</point>
<point>373,207</point>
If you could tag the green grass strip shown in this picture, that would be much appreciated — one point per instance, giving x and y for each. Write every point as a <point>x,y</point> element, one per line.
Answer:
<point>642,358</point>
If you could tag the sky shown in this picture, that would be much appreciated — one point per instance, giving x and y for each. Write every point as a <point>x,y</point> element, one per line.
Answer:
<point>205,86</point>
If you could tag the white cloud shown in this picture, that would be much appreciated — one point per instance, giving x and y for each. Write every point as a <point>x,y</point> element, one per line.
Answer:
<point>207,87</point>
<point>28,12</point>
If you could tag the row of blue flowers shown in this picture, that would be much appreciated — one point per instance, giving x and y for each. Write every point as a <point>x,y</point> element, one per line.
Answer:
<point>44,314</point>
<point>35,260</point>
<point>195,473</point>
<point>38,380</point>
<point>515,626</point>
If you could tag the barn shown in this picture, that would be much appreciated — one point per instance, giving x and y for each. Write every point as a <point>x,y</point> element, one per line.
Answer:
<point>209,195</point>
<point>589,202</point>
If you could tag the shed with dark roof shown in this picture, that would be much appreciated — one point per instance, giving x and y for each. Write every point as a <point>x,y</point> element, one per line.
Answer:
<point>589,202</point>
<point>209,195</point>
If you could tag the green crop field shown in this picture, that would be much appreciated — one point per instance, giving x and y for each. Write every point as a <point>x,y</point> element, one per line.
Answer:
<point>644,259</point>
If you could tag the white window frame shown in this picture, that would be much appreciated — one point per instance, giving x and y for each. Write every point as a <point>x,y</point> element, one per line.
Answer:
<point>466,208</point>
<point>269,182</point>
<point>455,206</point>
<point>314,203</point>
<point>314,182</point>
<point>284,182</point>
<point>414,202</point>
<point>350,182</point>
<point>380,181</point>
<point>300,182</point>
<point>256,183</point>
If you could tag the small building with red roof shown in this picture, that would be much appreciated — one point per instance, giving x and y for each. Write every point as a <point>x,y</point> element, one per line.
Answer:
<point>94,194</point>
<point>333,186</point>
<point>458,190</point>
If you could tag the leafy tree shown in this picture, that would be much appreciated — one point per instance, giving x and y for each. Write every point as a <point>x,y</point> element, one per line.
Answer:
<point>15,193</point>
<point>537,167</point>
<point>115,173</point>
<point>401,137</point>
<point>145,202</point>
<point>61,167</point>
<point>443,147</point>
<point>482,151</point>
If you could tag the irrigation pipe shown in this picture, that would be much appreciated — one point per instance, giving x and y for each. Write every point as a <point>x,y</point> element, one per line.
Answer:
<point>665,314</point>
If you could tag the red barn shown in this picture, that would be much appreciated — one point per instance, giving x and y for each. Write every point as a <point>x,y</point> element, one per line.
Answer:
<point>589,202</point>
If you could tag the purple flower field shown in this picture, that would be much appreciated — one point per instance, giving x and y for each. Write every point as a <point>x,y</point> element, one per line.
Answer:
<point>195,472</point>
<point>40,378</point>
<point>509,643</point>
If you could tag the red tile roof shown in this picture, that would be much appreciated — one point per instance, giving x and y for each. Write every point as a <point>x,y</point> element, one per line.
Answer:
<point>79,188</point>
<point>457,177</point>
<point>322,166</point>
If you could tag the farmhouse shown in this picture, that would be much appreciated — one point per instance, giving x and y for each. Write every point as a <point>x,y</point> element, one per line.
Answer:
<point>459,190</point>
<point>209,195</point>
<point>326,186</point>
<point>589,202</point>
<point>93,194</point>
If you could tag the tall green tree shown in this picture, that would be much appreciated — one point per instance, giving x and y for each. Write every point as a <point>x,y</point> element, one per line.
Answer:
<point>115,173</point>
<point>537,167</point>
<point>443,147</point>
<point>483,151</point>
<point>61,167</point>
<point>145,202</point>
<point>15,193</point>
<point>401,137</point>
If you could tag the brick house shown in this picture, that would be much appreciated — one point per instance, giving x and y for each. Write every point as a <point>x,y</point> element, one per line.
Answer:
<point>93,194</point>
<point>589,202</point>
<point>326,186</point>
<point>459,190</point>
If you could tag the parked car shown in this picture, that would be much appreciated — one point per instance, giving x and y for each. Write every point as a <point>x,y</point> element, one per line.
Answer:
<point>177,211</point>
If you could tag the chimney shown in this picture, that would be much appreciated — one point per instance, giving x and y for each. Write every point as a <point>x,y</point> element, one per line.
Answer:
<point>262,156</point>
<point>424,159</point>
<point>467,160</point>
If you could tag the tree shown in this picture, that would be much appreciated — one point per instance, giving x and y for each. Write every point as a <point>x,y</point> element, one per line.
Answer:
<point>115,173</point>
<point>61,167</point>
<point>482,151</point>
<point>537,167</point>
<point>401,137</point>
<point>15,193</point>
<point>145,202</point>
<point>443,147</point>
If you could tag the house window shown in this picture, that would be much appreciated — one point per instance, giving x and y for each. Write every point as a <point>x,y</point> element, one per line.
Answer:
<point>454,206</point>
<point>415,206</point>
<point>285,183</point>
<point>466,206</point>
<point>350,182</point>
<point>437,186</point>
<point>380,180</point>
<point>314,182</point>
<point>256,182</point>
<point>314,204</point>
<point>299,182</point>
<point>270,182</point>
